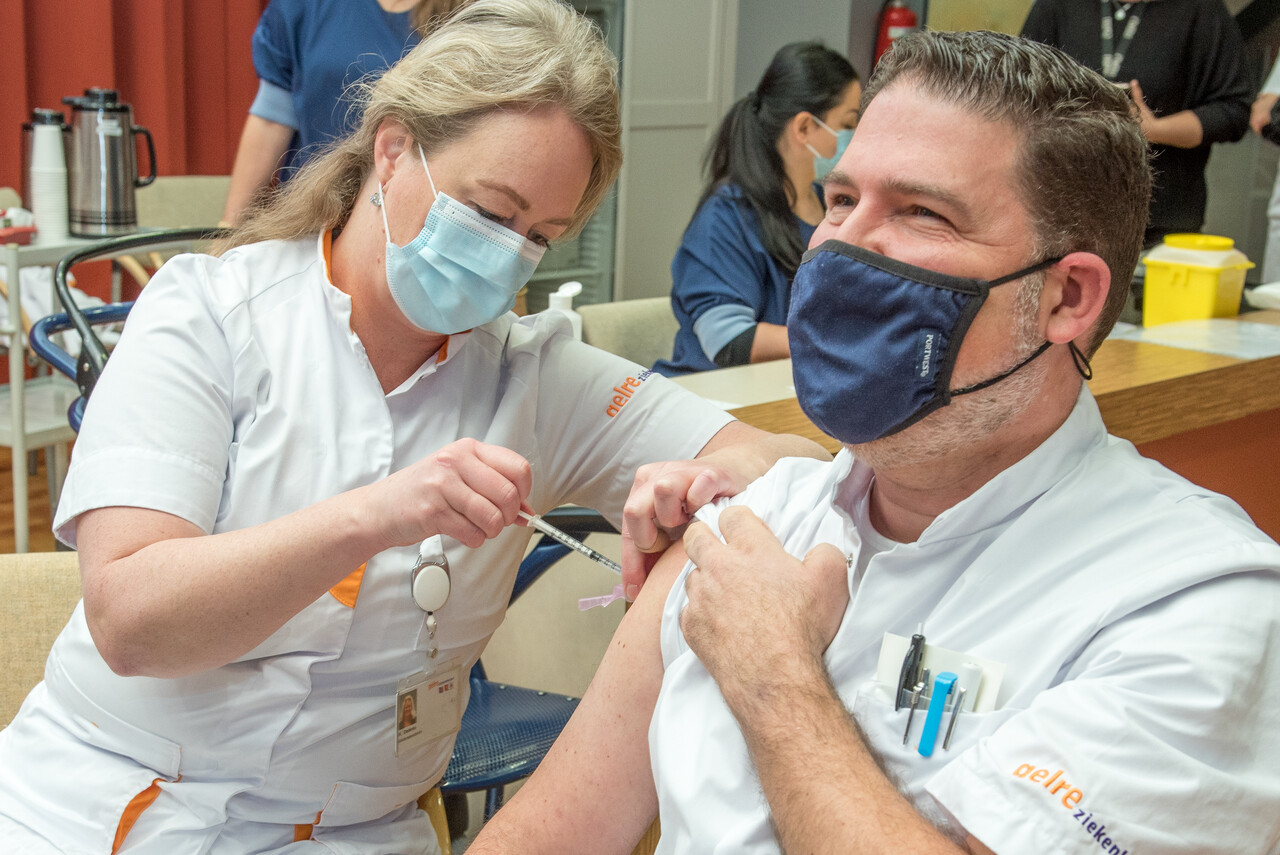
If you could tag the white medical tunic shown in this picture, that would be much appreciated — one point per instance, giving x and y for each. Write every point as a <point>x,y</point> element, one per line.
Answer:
<point>1137,615</point>
<point>240,394</point>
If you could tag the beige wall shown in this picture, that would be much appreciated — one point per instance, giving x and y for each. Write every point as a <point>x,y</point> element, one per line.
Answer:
<point>545,642</point>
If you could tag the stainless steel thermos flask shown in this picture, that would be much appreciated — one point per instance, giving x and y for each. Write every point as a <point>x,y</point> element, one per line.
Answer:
<point>103,171</point>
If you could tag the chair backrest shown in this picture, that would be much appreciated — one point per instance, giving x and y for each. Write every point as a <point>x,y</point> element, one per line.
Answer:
<point>87,366</point>
<point>643,330</point>
<point>182,201</point>
<point>41,591</point>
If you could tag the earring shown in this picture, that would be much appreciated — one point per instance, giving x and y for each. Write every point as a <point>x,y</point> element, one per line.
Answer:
<point>376,200</point>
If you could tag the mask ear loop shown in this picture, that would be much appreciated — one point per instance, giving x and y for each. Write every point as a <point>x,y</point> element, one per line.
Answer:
<point>382,208</point>
<point>1082,361</point>
<point>382,195</point>
<point>825,127</point>
<point>427,169</point>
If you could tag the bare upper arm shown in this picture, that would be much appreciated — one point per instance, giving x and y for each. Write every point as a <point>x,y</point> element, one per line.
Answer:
<point>734,433</point>
<point>106,535</point>
<point>594,791</point>
<point>766,447</point>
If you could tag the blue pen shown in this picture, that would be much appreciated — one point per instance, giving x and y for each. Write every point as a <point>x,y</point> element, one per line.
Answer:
<point>942,686</point>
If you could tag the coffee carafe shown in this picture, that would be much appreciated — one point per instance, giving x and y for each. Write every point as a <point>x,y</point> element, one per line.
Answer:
<point>104,164</point>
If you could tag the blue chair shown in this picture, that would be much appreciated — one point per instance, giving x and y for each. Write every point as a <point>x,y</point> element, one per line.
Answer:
<point>506,730</point>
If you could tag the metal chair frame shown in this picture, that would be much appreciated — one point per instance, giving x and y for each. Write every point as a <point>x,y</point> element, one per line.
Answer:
<point>93,354</point>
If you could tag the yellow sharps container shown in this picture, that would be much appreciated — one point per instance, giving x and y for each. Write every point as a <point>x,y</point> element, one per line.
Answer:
<point>1192,276</point>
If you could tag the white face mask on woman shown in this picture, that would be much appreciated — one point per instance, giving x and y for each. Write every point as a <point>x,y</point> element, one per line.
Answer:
<point>823,165</point>
<point>461,270</point>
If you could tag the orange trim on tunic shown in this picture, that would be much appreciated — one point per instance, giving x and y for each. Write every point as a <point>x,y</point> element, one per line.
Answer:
<point>133,810</point>
<point>348,590</point>
<point>303,832</point>
<point>326,246</point>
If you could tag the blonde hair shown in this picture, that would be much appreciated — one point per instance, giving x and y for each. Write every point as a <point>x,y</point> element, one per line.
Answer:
<point>490,55</point>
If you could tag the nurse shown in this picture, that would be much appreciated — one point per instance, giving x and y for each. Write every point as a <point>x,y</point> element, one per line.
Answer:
<point>284,428</point>
<point>731,277</point>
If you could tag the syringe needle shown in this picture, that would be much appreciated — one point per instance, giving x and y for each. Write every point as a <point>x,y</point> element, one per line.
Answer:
<point>537,522</point>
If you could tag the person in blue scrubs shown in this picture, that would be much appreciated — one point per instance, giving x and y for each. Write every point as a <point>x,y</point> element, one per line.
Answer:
<point>731,277</point>
<point>306,54</point>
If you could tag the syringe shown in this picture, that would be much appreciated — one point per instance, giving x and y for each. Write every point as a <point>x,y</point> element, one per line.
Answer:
<point>573,543</point>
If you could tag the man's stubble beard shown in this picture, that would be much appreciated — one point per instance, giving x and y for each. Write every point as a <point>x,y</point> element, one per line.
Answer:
<point>971,418</point>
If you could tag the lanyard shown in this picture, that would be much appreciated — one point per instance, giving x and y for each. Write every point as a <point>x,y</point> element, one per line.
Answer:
<point>1113,55</point>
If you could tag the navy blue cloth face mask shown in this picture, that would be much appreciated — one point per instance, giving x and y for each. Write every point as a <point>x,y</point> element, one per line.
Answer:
<point>874,340</point>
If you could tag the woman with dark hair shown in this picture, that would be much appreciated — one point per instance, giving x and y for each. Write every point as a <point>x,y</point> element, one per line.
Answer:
<point>731,278</point>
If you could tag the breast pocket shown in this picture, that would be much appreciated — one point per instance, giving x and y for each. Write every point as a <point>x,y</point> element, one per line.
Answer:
<point>885,729</point>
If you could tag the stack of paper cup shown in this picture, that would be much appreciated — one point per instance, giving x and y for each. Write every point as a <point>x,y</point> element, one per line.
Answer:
<point>48,184</point>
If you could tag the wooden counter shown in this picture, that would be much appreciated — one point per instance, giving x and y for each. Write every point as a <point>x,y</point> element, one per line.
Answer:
<point>1211,418</point>
<point>1148,391</point>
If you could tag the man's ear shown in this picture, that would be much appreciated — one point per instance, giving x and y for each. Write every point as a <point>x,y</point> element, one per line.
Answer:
<point>392,141</point>
<point>1074,295</point>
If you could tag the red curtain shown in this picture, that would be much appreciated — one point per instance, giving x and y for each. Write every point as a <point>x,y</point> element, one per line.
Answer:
<point>184,66</point>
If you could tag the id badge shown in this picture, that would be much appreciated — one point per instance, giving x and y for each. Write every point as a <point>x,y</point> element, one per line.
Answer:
<point>428,706</point>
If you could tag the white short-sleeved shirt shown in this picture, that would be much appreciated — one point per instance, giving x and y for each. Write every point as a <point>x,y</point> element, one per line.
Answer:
<point>1137,615</point>
<point>239,394</point>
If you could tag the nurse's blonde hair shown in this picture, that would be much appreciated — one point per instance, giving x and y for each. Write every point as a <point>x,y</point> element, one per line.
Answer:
<point>489,55</point>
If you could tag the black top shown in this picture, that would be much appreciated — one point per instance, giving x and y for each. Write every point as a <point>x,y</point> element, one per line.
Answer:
<point>1185,54</point>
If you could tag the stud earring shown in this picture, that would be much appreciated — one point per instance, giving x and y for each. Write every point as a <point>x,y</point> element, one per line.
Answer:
<point>376,200</point>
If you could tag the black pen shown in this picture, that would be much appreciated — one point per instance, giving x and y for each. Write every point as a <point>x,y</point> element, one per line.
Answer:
<point>910,667</point>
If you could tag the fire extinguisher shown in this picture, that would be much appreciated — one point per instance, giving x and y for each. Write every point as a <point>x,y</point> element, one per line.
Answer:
<point>896,20</point>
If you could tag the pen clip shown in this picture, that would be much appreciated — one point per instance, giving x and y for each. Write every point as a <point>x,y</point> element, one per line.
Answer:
<point>909,675</point>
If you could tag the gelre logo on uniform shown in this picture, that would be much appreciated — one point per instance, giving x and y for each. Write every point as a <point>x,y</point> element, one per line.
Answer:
<point>623,392</point>
<point>1071,796</point>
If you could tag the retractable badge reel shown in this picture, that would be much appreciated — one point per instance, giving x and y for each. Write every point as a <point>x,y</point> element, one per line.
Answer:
<point>430,584</point>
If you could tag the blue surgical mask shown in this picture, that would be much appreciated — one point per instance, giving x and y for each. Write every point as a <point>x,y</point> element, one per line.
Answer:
<point>874,340</point>
<point>823,165</point>
<point>461,271</point>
